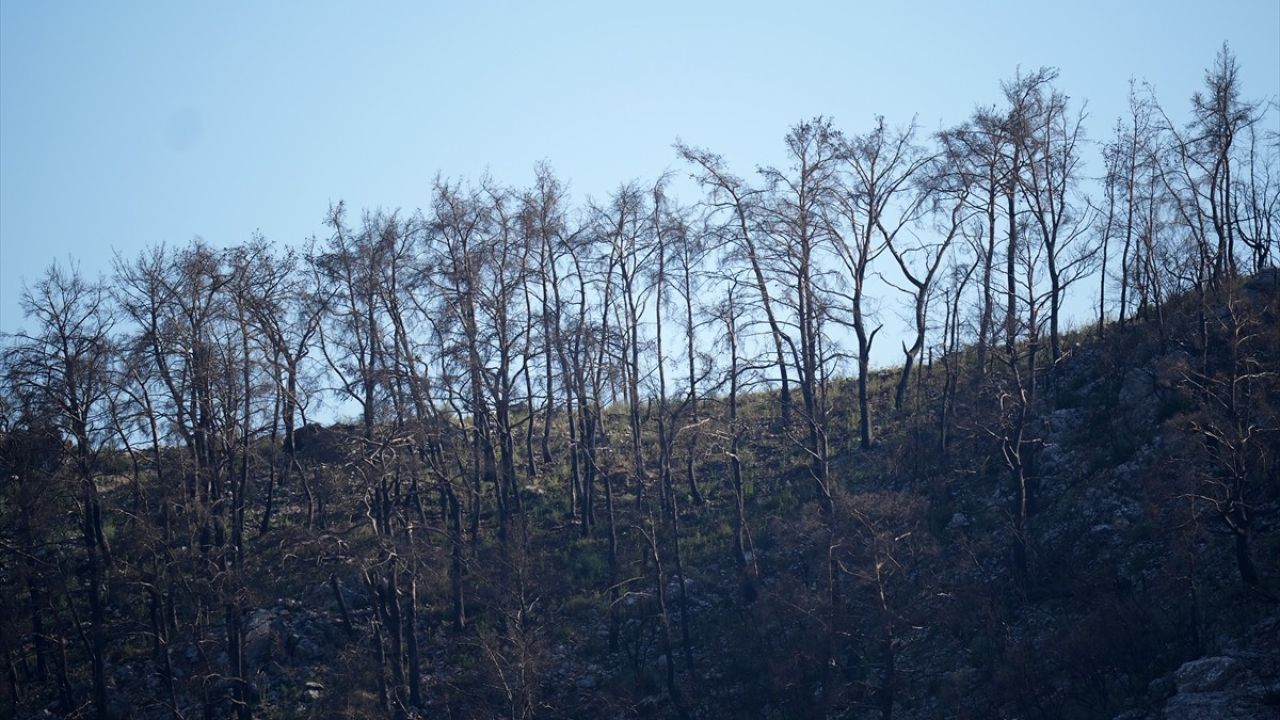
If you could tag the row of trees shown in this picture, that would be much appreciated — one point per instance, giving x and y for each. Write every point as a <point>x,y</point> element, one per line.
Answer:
<point>510,356</point>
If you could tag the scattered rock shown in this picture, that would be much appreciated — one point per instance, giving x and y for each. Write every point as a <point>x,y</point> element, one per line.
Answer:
<point>264,627</point>
<point>1206,674</point>
<point>1138,384</point>
<point>306,648</point>
<point>1207,706</point>
<point>1161,688</point>
<point>587,682</point>
<point>1221,687</point>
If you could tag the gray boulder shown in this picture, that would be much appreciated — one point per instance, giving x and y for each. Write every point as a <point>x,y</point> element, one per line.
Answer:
<point>1207,674</point>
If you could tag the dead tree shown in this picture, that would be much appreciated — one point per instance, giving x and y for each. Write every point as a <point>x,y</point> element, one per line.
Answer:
<point>731,196</point>
<point>1049,186</point>
<point>65,363</point>
<point>919,261</point>
<point>877,204</point>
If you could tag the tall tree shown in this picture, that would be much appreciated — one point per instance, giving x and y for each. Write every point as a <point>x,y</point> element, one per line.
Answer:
<point>948,187</point>
<point>877,203</point>
<point>1017,125</point>
<point>1219,117</point>
<point>731,198</point>
<point>1051,158</point>
<point>798,212</point>
<point>977,148</point>
<point>65,364</point>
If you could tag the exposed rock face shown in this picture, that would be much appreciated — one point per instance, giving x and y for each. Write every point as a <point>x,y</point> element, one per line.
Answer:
<point>1242,683</point>
<point>262,638</point>
<point>286,634</point>
<point>1208,674</point>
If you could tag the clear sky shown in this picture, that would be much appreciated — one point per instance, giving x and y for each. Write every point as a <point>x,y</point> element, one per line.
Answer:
<point>134,123</point>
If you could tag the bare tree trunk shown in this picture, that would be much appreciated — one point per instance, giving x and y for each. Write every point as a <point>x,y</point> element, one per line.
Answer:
<point>411,640</point>
<point>743,551</point>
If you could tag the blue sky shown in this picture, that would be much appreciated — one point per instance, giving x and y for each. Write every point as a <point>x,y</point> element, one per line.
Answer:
<point>129,124</point>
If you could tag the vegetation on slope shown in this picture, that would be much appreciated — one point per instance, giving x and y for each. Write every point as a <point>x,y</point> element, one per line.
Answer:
<point>609,463</point>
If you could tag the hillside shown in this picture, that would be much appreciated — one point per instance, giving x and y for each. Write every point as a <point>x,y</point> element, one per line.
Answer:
<point>631,456</point>
<point>1140,582</point>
